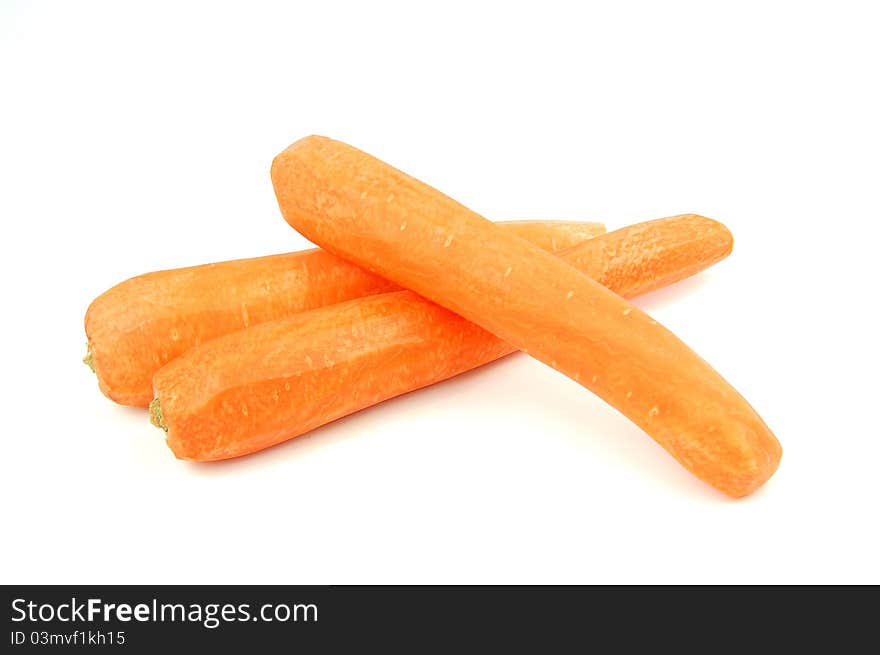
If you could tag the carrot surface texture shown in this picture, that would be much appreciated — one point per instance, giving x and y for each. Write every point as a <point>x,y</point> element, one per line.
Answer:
<point>257,387</point>
<point>378,217</point>
<point>139,325</point>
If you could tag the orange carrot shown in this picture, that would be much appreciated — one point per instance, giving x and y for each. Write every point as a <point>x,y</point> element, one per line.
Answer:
<point>136,327</point>
<point>257,387</point>
<point>368,212</point>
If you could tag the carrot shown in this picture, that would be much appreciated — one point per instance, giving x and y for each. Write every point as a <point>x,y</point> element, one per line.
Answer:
<point>368,212</point>
<point>136,327</point>
<point>257,387</point>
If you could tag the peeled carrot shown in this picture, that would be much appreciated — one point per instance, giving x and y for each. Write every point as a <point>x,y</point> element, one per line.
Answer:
<point>257,387</point>
<point>139,325</point>
<point>368,212</point>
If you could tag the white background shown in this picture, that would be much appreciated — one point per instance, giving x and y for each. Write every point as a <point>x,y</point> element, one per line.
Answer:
<point>138,137</point>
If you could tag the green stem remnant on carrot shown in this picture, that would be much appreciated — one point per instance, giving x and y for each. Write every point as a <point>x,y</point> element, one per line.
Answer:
<point>376,216</point>
<point>141,324</point>
<point>251,389</point>
<point>87,360</point>
<point>156,417</point>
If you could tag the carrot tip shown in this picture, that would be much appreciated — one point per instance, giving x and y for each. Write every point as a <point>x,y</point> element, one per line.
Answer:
<point>88,360</point>
<point>156,417</point>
